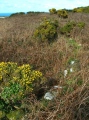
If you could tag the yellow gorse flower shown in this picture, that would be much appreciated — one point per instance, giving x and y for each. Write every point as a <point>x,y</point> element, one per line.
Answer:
<point>24,75</point>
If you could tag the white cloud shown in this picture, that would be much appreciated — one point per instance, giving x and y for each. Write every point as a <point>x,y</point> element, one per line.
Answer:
<point>51,5</point>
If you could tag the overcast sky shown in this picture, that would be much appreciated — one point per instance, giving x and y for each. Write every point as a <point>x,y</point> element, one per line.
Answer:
<point>9,6</point>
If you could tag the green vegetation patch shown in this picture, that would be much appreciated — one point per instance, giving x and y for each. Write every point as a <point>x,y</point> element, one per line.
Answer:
<point>69,26</point>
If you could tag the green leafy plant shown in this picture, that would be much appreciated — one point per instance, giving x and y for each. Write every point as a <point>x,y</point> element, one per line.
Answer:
<point>12,93</point>
<point>47,31</point>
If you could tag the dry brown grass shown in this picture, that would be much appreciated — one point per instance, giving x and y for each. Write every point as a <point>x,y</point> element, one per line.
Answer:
<point>18,45</point>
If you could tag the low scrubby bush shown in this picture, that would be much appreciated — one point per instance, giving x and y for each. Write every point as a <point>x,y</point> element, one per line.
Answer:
<point>69,26</point>
<point>66,29</point>
<point>52,11</point>
<point>62,13</point>
<point>47,31</point>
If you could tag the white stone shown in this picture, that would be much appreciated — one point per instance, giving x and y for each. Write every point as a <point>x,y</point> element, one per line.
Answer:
<point>56,87</point>
<point>72,62</point>
<point>65,73</point>
<point>79,44</point>
<point>71,69</point>
<point>48,96</point>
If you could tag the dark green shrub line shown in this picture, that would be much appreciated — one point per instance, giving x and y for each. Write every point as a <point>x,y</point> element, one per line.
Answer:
<point>18,13</point>
<point>33,13</point>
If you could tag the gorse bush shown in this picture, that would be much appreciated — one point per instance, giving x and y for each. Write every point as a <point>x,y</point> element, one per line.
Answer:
<point>62,13</point>
<point>16,82</point>
<point>26,76</point>
<point>47,31</point>
<point>52,11</point>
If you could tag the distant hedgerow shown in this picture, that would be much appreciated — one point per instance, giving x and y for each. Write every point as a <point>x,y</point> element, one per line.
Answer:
<point>18,13</point>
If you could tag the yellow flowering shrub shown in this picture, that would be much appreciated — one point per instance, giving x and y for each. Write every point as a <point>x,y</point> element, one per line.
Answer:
<point>17,81</point>
<point>25,76</point>
<point>52,11</point>
<point>62,13</point>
